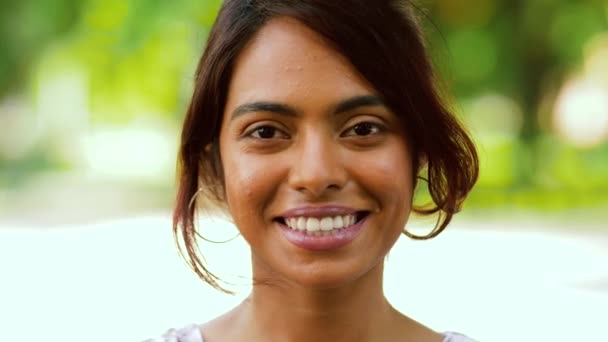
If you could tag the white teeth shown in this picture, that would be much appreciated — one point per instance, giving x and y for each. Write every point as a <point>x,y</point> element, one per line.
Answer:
<point>301,224</point>
<point>312,224</point>
<point>338,222</point>
<point>320,226</point>
<point>327,223</point>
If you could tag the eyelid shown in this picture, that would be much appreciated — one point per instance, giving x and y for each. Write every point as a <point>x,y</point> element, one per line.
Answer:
<point>367,117</point>
<point>379,123</point>
<point>348,132</point>
<point>254,127</point>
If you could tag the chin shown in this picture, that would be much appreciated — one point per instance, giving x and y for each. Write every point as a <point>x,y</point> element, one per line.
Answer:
<point>330,275</point>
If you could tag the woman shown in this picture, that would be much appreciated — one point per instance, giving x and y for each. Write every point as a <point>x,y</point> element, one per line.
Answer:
<point>311,123</point>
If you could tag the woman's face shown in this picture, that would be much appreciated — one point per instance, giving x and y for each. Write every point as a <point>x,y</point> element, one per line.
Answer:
<point>318,176</point>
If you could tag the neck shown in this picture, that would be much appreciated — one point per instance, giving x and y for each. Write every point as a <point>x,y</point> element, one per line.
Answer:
<point>357,311</point>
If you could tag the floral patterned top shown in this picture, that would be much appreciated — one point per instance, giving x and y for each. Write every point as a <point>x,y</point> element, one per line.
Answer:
<point>192,333</point>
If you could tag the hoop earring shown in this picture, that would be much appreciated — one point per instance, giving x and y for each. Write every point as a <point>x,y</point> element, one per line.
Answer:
<point>193,198</point>
<point>430,235</point>
<point>433,232</point>
<point>192,201</point>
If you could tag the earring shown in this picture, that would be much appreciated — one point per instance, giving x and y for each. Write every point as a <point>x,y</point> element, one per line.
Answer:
<point>430,235</point>
<point>436,230</point>
<point>193,199</point>
<point>190,204</point>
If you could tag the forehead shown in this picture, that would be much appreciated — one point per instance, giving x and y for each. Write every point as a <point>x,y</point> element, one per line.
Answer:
<point>287,61</point>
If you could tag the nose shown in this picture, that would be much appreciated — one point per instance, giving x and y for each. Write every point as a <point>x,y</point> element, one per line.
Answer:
<point>317,166</point>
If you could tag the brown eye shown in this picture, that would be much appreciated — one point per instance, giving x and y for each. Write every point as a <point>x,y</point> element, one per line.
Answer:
<point>267,132</point>
<point>363,129</point>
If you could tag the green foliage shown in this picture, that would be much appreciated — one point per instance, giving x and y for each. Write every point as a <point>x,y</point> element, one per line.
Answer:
<point>123,59</point>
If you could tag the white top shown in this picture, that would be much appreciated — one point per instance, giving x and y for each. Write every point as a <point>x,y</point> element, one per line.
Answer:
<point>192,333</point>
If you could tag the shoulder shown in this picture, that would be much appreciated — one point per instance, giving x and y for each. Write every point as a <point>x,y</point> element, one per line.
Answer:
<point>190,333</point>
<point>455,337</point>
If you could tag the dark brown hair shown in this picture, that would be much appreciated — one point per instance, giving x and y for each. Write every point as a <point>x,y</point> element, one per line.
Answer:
<point>382,40</point>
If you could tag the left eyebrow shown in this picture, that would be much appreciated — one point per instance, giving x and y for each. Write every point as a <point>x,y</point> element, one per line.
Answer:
<point>358,101</point>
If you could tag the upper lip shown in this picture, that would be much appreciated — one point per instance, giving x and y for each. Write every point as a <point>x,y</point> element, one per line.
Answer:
<point>319,211</point>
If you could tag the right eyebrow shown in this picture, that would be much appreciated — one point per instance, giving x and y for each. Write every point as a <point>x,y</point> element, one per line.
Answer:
<point>264,106</point>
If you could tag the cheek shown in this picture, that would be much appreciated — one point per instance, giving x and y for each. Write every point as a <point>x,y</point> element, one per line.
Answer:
<point>388,175</point>
<point>250,184</point>
<point>395,168</point>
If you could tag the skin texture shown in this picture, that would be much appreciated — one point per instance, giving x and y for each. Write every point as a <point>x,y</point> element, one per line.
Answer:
<point>274,162</point>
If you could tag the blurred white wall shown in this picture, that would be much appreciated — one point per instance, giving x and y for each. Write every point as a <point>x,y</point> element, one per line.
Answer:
<point>122,280</point>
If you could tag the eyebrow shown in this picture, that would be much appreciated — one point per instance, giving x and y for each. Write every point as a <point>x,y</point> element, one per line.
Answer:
<point>283,109</point>
<point>358,101</point>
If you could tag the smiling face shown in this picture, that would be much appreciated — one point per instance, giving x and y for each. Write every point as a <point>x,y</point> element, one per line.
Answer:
<point>318,176</point>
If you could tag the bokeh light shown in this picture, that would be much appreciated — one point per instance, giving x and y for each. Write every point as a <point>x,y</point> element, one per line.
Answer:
<point>581,114</point>
<point>495,121</point>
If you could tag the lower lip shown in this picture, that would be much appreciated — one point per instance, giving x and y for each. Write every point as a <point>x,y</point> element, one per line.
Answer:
<point>335,240</point>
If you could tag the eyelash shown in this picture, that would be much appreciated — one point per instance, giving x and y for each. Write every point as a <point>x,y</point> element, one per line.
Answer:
<point>376,128</point>
<point>379,128</point>
<point>257,129</point>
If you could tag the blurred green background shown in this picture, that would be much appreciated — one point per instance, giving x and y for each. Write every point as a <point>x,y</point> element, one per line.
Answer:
<point>92,94</point>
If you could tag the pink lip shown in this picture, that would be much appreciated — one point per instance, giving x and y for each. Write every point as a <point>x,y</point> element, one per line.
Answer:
<point>333,241</point>
<point>324,211</point>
